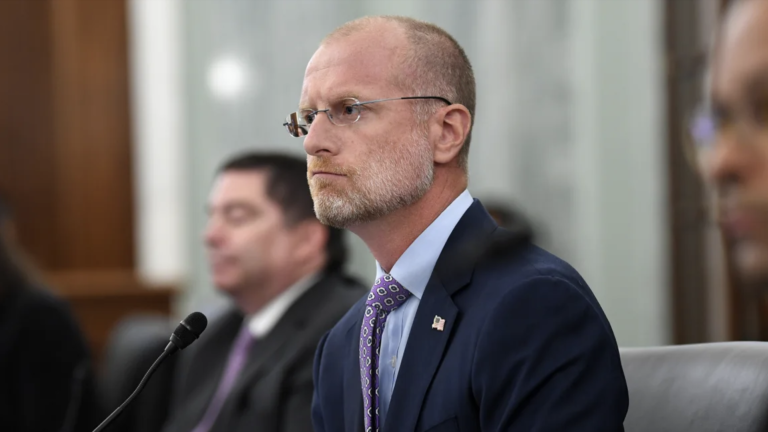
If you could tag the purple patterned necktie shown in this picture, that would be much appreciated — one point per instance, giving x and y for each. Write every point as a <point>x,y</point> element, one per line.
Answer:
<point>237,357</point>
<point>386,295</point>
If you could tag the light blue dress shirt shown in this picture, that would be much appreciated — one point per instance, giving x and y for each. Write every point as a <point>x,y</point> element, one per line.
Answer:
<point>413,270</point>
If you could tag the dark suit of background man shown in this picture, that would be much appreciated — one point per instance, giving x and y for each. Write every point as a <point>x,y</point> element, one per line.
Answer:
<point>443,341</point>
<point>731,134</point>
<point>252,368</point>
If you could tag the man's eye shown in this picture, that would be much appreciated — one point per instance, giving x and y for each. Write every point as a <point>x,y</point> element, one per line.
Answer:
<point>350,110</point>
<point>237,216</point>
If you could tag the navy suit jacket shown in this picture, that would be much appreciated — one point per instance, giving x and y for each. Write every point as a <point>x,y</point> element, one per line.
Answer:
<point>525,347</point>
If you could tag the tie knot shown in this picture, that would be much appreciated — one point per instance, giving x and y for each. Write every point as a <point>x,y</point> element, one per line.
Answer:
<point>387,294</point>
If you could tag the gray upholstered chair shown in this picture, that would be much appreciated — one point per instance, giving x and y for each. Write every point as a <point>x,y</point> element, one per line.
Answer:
<point>697,388</point>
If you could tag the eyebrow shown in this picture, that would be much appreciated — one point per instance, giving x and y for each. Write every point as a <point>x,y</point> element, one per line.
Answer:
<point>230,205</point>
<point>756,86</point>
<point>303,105</point>
<point>239,204</point>
<point>338,97</point>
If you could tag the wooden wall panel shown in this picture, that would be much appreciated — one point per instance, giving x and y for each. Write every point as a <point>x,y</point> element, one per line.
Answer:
<point>65,154</point>
<point>26,124</point>
<point>687,213</point>
<point>91,123</point>
<point>65,146</point>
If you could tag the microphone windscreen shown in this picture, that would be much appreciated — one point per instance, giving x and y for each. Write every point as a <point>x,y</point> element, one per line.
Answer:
<point>196,322</point>
<point>189,329</point>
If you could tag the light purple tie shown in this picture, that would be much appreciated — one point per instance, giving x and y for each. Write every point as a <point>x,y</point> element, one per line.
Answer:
<point>237,357</point>
<point>386,295</point>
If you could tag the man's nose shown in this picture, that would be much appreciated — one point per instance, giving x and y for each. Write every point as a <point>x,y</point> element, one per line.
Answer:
<point>319,141</point>
<point>729,158</point>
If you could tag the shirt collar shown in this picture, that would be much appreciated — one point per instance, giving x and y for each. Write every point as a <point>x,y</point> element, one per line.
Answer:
<point>263,321</point>
<point>414,267</point>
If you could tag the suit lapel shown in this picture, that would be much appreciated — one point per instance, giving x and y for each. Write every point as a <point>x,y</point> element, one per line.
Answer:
<point>263,352</point>
<point>353,391</point>
<point>421,358</point>
<point>426,346</point>
<point>275,347</point>
<point>267,351</point>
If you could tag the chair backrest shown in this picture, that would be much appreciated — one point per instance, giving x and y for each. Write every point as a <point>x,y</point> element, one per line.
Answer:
<point>133,346</point>
<point>702,387</point>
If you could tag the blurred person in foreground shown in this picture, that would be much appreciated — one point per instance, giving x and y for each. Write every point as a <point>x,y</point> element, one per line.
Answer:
<point>444,340</point>
<point>252,368</point>
<point>47,382</point>
<point>731,136</point>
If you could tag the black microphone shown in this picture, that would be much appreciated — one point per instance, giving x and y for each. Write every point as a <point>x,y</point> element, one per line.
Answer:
<point>188,330</point>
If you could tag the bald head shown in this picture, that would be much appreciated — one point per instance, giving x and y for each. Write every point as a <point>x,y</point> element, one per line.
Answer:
<point>429,62</point>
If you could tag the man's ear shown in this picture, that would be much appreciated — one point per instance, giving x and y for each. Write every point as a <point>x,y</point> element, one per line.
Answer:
<point>451,125</point>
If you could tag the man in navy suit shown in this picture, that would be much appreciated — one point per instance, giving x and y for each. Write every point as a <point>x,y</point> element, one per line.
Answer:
<point>450,337</point>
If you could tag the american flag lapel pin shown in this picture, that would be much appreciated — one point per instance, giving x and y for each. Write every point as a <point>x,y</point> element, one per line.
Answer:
<point>438,323</point>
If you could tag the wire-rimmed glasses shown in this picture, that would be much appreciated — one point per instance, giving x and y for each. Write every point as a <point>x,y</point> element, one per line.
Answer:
<point>707,127</point>
<point>341,113</point>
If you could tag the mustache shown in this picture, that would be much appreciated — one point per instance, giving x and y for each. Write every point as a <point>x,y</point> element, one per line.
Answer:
<point>324,164</point>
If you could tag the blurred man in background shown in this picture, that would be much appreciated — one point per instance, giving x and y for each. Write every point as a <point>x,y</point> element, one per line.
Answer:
<point>252,369</point>
<point>731,135</point>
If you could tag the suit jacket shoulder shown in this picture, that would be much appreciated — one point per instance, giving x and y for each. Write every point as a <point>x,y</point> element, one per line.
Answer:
<point>329,301</point>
